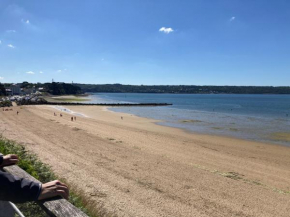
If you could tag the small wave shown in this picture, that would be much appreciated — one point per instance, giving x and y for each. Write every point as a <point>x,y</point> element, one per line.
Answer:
<point>66,110</point>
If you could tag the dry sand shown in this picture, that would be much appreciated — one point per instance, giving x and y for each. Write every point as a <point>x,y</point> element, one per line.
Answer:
<point>133,167</point>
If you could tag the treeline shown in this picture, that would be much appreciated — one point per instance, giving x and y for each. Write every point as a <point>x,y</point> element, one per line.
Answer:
<point>186,89</point>
<point>55,88</point>
<point>2,90</point>
<point>61,88</point>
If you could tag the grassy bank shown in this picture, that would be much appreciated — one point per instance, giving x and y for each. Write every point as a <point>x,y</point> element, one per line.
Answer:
<point>70,99</point>
<point>67,98</point>
<point>32,165</point>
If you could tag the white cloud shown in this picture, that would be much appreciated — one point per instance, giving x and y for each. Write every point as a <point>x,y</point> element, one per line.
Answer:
<point>232,19</point>
<point>61,70</point>
<point>25,21</point>
<point>30,72</point>
<point>40,72</point>
<point>11,31</point>
<point>166,30</point>
<point>1,78</point>
<point>11,46</point>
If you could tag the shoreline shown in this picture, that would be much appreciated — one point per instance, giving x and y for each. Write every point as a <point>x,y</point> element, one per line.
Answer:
<point>238,130</point>
<point>164,123</point>
<point>188,132</point>
<point>134,167</point>
<point>158,123</point>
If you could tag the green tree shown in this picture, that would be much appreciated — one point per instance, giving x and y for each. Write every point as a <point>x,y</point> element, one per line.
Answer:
<point>2,90</point>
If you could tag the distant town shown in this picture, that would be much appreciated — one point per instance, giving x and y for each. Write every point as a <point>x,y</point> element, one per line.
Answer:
<point>28,93</point>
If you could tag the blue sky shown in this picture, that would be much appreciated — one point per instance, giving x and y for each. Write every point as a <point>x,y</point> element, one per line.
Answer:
<point>198,42</point>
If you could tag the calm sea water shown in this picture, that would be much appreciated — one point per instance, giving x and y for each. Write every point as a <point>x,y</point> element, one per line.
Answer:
<point>255,117</point>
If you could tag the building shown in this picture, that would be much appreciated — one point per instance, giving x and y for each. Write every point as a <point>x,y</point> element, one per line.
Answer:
<point>8,92</point>
<point>29,90</point>
<point>15,89</point>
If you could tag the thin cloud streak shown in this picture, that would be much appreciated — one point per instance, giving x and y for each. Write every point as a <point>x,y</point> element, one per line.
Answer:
<point>30,72</point>
<point>11,31</point>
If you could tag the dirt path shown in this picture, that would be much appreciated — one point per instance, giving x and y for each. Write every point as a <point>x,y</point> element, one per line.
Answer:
<point>140,169</point>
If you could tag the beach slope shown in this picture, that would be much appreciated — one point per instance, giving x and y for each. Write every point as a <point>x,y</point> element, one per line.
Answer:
<point>130,166</point>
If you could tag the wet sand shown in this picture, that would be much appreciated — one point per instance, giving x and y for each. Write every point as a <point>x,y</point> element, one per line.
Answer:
<point>133,167</point>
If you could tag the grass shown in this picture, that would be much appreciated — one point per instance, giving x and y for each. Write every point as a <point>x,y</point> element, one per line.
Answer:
<point>32,165</point>
<point>67,98</point>
<point>70,99</point>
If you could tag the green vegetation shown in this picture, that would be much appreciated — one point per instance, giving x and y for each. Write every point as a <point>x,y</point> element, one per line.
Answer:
<point>119,88</point>
<point>28,85</point>
<point>61,88</point>
<point>55,88</point>
<point>2,90</point>
<point>5,103</point>
<point>64,99</point>
<point>43,173</point>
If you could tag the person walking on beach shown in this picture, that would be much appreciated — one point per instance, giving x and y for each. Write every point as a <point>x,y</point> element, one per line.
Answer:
<point>75,118</point>
<point>60,115</point>
<point>17,112</point>
<point>72,119</point>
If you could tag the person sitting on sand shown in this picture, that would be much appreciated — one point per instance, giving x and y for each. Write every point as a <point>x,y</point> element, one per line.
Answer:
<point>20,190</point>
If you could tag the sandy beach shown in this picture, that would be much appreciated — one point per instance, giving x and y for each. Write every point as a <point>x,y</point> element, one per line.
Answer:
<point>134,167</point>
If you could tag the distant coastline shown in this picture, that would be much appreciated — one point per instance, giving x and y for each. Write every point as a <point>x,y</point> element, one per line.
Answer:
<point>182,89</point>
<point>62,89</point>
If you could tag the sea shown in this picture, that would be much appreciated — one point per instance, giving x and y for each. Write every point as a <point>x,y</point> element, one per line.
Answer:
<point>264,118</point>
